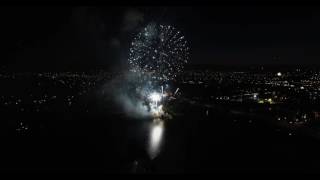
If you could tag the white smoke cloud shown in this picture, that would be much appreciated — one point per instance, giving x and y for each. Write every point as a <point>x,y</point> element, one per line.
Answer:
<point>131,106</point>
<point>122,90</point>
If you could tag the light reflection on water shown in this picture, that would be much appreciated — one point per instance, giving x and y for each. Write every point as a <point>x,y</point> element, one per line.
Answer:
<point>155,138</point>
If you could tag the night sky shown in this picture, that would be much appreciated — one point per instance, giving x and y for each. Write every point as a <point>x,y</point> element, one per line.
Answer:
<point>62,38</point>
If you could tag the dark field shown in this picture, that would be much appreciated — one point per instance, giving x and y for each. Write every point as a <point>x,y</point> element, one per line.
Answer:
<point>94,134</point>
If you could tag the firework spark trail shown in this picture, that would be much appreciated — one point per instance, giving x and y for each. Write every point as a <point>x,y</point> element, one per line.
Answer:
<point>161,90</point>
<point>176,92</point>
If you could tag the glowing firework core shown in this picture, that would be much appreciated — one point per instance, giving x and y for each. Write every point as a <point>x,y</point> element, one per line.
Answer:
<point>156,110</point>
<point>155,97</point>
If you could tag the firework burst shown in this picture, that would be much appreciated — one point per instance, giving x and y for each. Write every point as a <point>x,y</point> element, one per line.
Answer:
<point>159,51</point>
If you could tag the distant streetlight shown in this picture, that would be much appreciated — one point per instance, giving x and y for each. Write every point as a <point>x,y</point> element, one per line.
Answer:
<point>279,74</point>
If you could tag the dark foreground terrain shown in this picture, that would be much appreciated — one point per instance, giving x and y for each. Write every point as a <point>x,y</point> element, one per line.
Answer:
<point>94,135</point>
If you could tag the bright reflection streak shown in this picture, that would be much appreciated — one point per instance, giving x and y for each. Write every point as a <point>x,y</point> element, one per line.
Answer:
<point>156,134</point>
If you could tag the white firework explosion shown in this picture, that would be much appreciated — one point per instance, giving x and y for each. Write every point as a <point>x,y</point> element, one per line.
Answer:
<point>159,51</point>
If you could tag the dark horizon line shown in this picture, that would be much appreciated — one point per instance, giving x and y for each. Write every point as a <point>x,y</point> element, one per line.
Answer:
<point>220,67</point>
